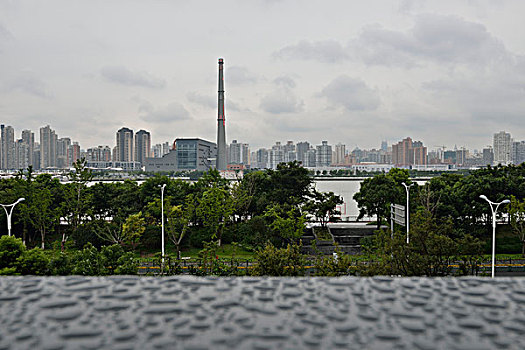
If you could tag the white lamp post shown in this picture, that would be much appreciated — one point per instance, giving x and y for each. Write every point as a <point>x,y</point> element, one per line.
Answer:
<point>494,211</point>
<point>10,212</point>
<point>407,188</point>
<point>162,219</point>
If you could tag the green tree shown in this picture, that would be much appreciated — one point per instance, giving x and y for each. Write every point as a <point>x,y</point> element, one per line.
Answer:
<point>44,216</point>
<point>179,218</point>
<point>286,222</point>
<point>322,206</point>
<point>374,197</point>
<point>517,220</point>
<point>133,229</point>
<point>11,249</point>
<point>77,202</point>
<point>215,210</point>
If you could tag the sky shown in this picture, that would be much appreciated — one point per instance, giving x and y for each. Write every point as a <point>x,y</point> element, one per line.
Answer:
<point>446,72</point>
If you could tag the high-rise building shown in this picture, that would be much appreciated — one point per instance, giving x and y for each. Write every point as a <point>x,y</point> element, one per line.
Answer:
<point>28,137</point>
<point>161,149</point>
<point>142,146</point>
<point>323,155</point>
<point>276,155</point>
<point>310,158</point>
<point>384,146</point>
<point>488,156</point>
<point>408,152</point>
<point>518,152</point>
<point>339,154</point>
<point>502,148</point>
<point>98,154</point>
<point>21,154</point>
<point>246,154</point>
<point>8,147</point>
<point>63,152</point>
<point>48,147</point>
<point>124,149</point>
<point>235,152</point>
<point>302,148</point>
<point>261,158</point>
<point>73,153</point>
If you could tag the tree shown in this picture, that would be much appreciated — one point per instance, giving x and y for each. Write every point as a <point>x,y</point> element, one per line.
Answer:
<point>286,222</point>
<point>517,220</point>
<point>133,229</point>
<point>322,206</point>
<point>374,197</point>
<point>179,218</point>
<point>41,212</point>
<point>215,210</point>
<point>76,197</point>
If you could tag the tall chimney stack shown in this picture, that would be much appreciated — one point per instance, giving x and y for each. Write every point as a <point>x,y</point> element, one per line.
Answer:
<point>221,123</point>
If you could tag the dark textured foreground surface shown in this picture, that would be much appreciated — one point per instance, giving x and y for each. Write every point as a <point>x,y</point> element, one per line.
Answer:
<point>258,313</point>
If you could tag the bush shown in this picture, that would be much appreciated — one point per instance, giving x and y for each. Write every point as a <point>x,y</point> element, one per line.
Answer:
<point>111,254</point>
<point>60,265</point>
<point>127,264</point>
<point>11,249</point>
<point>8,271</point>
<point>33,262</point>
<point>88,262</point>
<point>272,261</point>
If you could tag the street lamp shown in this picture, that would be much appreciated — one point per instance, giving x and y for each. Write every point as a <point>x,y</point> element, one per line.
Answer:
<point>407,188</point>
<point>494,211</point>
<point>11,206</point>
<point>162,218</point>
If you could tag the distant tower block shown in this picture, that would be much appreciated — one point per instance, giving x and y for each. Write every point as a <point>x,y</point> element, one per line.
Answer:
<point>221,123</point>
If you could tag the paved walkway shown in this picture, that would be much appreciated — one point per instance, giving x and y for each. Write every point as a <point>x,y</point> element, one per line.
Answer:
<point>187,312</point>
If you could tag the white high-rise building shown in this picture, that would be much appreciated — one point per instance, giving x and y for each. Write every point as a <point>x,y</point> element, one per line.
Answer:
<point>339,154</point>
<point>48,147</point>
<point>323,155</point>
<point>502,148</point>
<point>7,150</point>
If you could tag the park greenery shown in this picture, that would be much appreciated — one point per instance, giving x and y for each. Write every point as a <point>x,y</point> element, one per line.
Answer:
<point>97,228</point>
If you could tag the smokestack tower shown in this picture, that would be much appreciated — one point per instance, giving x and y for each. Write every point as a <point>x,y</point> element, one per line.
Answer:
<point>221,123</point>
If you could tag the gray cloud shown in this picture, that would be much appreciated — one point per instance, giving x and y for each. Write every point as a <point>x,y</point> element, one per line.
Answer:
<point>326,51</point>
<point>281,100</point>
<point>206,101</point>
<point>352,94</point>
<point>240,75</point>
<point>124,76</point>
<point>437,38</point>
<point>284,81</point>
<point>5,36</point>
<point>27,82</point>
<point>171,113</point>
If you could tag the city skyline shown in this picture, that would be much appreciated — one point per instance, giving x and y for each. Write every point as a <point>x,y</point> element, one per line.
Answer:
<point>449,72</point>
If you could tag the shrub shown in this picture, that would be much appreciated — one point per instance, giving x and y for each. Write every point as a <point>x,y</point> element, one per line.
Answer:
<point>127,264</point>
<point>111,255</point>
<point>88,262</point>
<point>33,262</point>
<point>272,261</point>
<point>11,249</point>
<point>60,265</point>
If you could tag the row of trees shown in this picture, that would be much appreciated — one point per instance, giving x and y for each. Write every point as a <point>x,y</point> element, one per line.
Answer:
<point>270,205</point>
<point>450,197</point>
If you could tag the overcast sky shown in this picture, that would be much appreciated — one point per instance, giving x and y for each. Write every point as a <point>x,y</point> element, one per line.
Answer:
<point>443,72</point>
